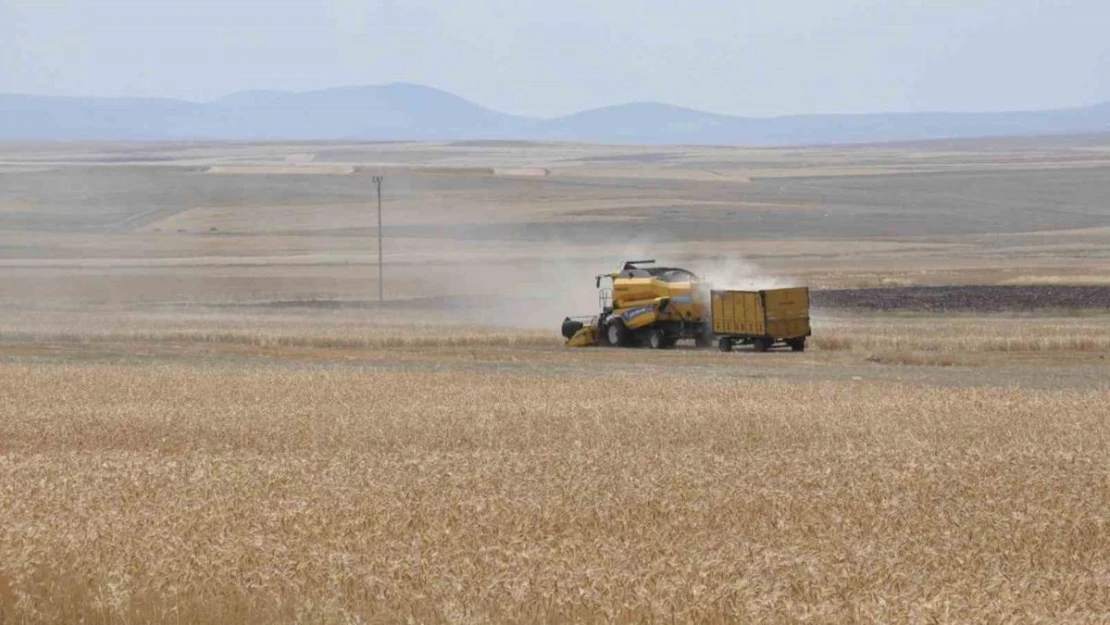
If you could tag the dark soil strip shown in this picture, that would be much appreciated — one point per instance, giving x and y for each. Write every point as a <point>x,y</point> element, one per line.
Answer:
<point>941,299</point>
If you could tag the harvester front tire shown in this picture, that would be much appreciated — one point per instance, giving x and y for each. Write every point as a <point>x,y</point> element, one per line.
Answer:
<point>616,335</point>
<point>656,339</point>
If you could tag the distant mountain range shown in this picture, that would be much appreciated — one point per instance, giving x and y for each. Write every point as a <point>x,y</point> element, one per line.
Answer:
<point>412,112</point>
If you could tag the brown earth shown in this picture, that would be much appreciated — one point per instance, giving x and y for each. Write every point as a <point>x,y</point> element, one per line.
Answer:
<point>966,299</point>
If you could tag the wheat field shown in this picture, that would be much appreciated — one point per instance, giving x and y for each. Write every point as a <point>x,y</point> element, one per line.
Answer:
<point>315,494</point>
<point>207,416</point>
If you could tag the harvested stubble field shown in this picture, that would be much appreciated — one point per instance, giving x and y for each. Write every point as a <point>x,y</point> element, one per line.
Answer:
<point>205,417</point>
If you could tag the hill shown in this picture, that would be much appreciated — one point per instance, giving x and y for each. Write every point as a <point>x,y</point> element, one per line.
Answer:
<point>402,111</point>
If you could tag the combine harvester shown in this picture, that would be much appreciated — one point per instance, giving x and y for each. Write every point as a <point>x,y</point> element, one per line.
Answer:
<point>658,306</point>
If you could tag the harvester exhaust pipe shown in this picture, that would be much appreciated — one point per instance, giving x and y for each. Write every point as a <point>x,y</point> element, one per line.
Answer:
<point>631,264</point>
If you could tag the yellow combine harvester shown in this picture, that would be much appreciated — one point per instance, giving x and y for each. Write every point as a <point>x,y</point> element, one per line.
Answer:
<point>658,306</point>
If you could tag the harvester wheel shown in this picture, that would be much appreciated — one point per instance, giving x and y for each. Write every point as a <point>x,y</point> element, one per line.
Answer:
<point>798,345</point>
<point>763,344</point>
<point>616,335</point>
<point>725,344</point>
<point>656,339</point>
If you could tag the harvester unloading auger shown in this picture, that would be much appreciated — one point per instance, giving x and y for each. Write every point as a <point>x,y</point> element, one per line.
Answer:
<point>658,306</point>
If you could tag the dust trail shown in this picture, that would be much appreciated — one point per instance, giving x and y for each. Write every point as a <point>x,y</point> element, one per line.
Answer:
<point>560,281</point>
<point>736,273</point>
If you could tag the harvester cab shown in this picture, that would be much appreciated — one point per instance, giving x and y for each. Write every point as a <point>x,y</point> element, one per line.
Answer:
<point>630,270</point>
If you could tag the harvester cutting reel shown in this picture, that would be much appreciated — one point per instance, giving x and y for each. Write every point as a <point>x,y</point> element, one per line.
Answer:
<point>581,331</point>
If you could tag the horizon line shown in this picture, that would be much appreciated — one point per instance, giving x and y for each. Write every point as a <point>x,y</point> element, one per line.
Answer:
<point>153,98</point>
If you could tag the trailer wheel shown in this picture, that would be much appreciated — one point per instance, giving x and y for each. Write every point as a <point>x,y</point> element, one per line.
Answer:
<point>616,335</point>
<point>798,345</point>
<point>762,344</point>
<point>656,339</point>
<point>725,344</point>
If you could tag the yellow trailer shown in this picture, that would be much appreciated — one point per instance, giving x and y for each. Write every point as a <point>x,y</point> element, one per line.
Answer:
<point>761,318</point>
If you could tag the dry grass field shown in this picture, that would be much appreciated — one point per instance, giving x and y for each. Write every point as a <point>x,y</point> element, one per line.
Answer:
<point>206,417</point>
<point>263,494</point>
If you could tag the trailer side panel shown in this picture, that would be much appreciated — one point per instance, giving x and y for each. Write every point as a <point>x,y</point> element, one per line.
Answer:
<point>738,313</point>
<point>787,312</point>
<point>773,313</point>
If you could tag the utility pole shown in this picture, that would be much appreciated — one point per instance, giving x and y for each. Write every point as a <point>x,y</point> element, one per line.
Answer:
<point>381,278</point>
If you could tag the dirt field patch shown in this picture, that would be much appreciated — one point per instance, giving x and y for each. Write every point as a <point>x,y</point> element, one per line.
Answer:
<point>273,170</point>
<point>966,299</point>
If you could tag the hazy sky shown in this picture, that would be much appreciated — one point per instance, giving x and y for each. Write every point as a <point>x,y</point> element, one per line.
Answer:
<point>749,57</point>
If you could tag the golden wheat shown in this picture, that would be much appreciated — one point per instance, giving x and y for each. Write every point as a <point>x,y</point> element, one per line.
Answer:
<point>288,494</point>
<point>360,330</point>
<point>963,334</point>
<point>323,330</point>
